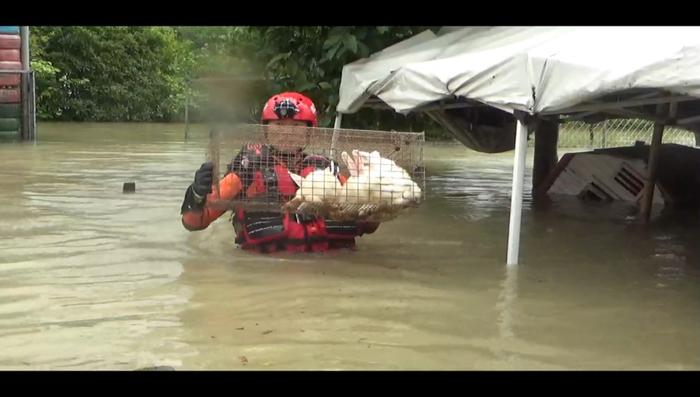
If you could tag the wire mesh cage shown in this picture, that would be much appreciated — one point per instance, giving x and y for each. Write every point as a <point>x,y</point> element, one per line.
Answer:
<point>340,174</point>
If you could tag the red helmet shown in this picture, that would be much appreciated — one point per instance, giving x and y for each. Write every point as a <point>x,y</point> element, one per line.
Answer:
<point>290,105</point>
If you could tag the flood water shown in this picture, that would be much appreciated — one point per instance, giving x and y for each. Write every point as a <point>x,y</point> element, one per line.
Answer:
<point>91,278</point>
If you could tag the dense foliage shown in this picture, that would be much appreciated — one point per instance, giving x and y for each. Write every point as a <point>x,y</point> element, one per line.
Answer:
<point>145,73</point>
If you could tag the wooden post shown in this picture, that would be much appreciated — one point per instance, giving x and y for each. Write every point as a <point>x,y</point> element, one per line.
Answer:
<point>25,93</point>
<point>187,113</point>
<point>32,107</point>
<point>653,162</point>
<point>24,104</point>
<point>213,156</point>
<point>35,128</point>
<point>546,138</point>
<point>24,43</point>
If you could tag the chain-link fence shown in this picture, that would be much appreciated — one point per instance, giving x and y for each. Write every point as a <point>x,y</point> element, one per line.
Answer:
<point>612,133</point>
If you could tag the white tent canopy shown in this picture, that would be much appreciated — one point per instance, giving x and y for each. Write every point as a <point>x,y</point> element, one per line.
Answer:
<point>579,72</point>
<point>538,70</point>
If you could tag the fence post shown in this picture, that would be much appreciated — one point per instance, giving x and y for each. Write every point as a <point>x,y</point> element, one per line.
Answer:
<point>25,93</point>
<point>653,162</point>
<point>187,112</point>
<point>652,166</point>
<point>32,89</point>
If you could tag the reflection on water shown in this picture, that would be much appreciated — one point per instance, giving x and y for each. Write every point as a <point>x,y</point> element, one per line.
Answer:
<point>92,278</point>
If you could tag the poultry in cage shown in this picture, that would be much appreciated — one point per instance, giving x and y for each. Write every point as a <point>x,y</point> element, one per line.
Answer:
<point>360,185</point>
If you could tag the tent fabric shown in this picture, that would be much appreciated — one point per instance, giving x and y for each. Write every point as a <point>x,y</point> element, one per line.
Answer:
<point>531,69</point>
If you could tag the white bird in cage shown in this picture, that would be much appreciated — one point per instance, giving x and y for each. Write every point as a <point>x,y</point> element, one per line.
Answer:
<point>317,186</point>
<point>395,184</point>
<point>358,187</point>
<point>377,180</point>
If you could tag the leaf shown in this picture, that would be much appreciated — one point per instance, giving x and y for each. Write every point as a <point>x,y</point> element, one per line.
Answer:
<point>324,85</point>
<point>361,33</point>
<point>306,87</point>
<point>350,42</point>
<point>331,40</point>
<point>278,58</point>
<point>292,68</point>
<point>382,29</point>
<point>332,52</point>
<point>338,30</point>
<point>364,50</point>
<point>341,51</point>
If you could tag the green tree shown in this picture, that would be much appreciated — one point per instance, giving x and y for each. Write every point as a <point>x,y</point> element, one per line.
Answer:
<point>144,73</point>
<point>110,73</point>
<point>310,59</point>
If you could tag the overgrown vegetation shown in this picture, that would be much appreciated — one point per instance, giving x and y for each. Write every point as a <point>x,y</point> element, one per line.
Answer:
<point>144,73</point>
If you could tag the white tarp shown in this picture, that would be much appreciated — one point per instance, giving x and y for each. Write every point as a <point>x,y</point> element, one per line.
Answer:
<point>534,69</point>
